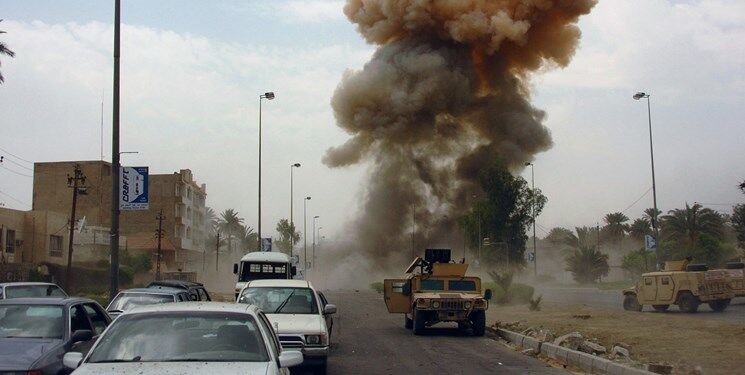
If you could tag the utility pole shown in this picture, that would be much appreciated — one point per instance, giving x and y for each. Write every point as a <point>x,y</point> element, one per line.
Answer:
<point>535,252</point>
<point>114,242</point>
<point>75,182</point>
<point>313,254</point>
<point>292,217</point>
<point>159,235</point>
<point>413,222</point>
<point>217,252</point>
<point>305,236</point>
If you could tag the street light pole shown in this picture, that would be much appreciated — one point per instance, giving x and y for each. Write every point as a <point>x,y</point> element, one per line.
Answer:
<point>655,227</point>
<point>532,204</point>
<point>114,230</point>
<point>313,254</point>
<point>292,220</point>
<point>305,235</point>
<point>268,96</point>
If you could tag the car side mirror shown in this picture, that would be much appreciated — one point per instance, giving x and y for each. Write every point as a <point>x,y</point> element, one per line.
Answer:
<point>72,360</point>
<point>487,294</point>
<point>329,309</point>
<point>290,358</point>
<point>406,288</point>
<point>81,335</point>
<point>235,268</point>
<point>293,270</point>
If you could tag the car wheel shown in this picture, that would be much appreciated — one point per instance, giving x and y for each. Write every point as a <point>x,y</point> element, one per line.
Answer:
<point>478,319</point>
<point>660,308</point>
<point>719,305</point>
<point>630,303</point>
<point>419,322</point>
<point>688,303</point>
<point>321,368</point>
<point>408,323</point>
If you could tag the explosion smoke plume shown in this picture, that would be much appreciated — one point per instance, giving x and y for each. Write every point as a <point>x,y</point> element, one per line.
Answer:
<point>445,94</point>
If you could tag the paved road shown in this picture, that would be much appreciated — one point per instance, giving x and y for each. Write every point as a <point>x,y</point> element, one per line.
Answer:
<point>368,340</point>
<point>611,299</point>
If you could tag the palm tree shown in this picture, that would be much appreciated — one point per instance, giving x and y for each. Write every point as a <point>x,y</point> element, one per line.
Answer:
<point>587,264</point>
<point>640,228</point>
<point>615,226</point>
<point>4,50</point>
<point>248,238</point>
<point>230,224</point>
<point>689,223</point>
<point>586,236</point>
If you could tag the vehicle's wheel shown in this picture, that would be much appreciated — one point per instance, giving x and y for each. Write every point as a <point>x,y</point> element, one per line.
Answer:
<point>688,303</point>
<point>321,368</point>
<point>419,322</point>
<point>719,305</point>
<point>630,303</point>
<point>408,323</point>
<point>660,308</point>
<point>478,318</point>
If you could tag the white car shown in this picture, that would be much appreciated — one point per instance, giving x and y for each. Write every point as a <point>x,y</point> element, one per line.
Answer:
<point>297,313</point>
<point>187,338</point>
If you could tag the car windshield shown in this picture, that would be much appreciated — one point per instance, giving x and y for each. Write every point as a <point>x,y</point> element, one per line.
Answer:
<point>462,285</point>
<point>34,291</point>
<point>31,321</point>
<point>262,271</point>
<point>431,284</point>
<point>126,301</point>
<point>182,337</point>
<point>277,300</point>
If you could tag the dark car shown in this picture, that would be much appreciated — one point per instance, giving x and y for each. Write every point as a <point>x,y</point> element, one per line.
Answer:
<point>196,290</point>
<point>36,332</point>
<point>30,290</point>
<point>130,298</point>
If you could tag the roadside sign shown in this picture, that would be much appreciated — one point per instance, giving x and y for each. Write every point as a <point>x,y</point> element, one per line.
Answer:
<point>531,257</point>
<point>266,244</point>
<point>650,243</point>
<point>133,188</point>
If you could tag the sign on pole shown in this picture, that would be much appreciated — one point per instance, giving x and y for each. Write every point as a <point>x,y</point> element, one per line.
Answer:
<point>266,244</point>
<point>133,188</point>
<point>649,243</point>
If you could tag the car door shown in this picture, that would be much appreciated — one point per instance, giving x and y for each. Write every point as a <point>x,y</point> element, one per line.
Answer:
<point>395,299</point>
<point>328,317</point>
<point>666,287</point>
<point>275,348</point>
<point>649,292</point>
<point>79,321</point>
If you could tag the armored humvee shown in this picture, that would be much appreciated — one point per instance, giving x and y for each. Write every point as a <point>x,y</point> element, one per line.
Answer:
<point>682,284</point>
<point>438,290</point>
<point>736,272</point>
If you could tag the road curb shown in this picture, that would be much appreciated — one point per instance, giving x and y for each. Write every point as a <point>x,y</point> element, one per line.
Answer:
<point>582,360</point>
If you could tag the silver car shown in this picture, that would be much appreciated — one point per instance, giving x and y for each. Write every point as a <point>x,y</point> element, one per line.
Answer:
<point>31,290</point>
<point>187,338</point>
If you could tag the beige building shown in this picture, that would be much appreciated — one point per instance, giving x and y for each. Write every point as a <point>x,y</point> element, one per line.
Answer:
<point>33,236</point>
<point>178,195</point>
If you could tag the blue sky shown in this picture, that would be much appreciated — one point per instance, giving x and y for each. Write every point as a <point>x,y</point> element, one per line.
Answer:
<point>192,73</point>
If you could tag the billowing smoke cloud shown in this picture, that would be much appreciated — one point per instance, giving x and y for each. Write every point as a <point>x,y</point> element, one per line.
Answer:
<point>445,94</point>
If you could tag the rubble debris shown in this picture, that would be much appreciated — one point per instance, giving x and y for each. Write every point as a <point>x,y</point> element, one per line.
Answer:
<point>592,347</point>
<point>530,351</point>
<point>582,316</point>
<point>570,340</point>
<point>620,351</point>
<point>660,368</point>
<point>545,335</point>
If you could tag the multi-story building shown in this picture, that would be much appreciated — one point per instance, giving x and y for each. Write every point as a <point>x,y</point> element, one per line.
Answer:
<point>33,236</point>
<point>180,199</point>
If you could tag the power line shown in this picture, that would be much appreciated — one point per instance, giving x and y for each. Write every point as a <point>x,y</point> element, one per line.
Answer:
<point>637,201</point>
<point>15,156</point>
<point>14,198</point>
<point>18,173</point>
<point>16,163</point>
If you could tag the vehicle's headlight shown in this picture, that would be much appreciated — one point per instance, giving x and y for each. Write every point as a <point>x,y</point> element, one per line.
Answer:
<point>313,339</point>
<point>423,302</point>
<point>467,305</point>
<point>436,304</point>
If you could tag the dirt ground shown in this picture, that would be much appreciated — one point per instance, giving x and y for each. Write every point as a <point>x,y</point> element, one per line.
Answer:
<point>717,347</point>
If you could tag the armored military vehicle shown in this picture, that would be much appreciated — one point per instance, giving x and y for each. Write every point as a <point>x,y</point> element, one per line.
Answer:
<point>437,290</point>
<point>682,284</point>
<point>736,272</point>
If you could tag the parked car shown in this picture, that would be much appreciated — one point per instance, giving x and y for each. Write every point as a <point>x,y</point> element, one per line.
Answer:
<point>30,290</point>
<point>127,299</point>
<point>196,290</point>
<point>36,332</point>
<point>297,313</point>
<point>187,338</point>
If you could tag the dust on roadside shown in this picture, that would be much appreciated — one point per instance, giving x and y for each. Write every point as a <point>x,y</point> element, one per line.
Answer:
<point>682,341</point>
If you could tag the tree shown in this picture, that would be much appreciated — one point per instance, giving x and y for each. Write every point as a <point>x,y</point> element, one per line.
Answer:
<point>587,264</point>
<point>230,224</point>
<point>287,235</point>
<point>615,226</point>
<point>586,236</point>
<point>738,220</point>
<point>651,214</point>
<point>4,50</point>
<point>640,228</point>
<point>247,238</point>
<point>638,262</point>
<point>562,237</point>
<point>688,224</point>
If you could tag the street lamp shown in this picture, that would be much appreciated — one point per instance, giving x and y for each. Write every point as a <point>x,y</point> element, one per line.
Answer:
<point>313,254</point>
<point>638,96</point>
<point>305,235</point>
<point>268,96</point>
<point>292,220</point>
<point>532,203</point>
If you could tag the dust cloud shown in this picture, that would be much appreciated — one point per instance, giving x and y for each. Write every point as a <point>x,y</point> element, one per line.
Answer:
<point>445,94</point>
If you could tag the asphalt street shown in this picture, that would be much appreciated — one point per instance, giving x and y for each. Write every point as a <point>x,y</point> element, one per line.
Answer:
<point>366,339</point>
<point>612,299</point>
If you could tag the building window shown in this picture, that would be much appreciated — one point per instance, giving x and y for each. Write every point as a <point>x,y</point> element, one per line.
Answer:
<point>188,193</point>
<point>178,190</point>
<point>55,246</point>
<point>10,241</point>
<point>188,232</point>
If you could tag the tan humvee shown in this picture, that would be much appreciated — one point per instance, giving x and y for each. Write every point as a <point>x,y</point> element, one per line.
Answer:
<point>439,292</point>
<point>682,285</point>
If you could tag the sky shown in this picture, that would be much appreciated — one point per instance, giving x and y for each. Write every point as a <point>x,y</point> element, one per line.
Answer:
<point>192,73</point>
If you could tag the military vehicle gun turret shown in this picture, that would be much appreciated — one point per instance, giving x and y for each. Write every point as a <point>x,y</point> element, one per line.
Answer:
<point>437,290</point>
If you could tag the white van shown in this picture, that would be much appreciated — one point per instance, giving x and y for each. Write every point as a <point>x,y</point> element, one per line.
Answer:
<point>263,265</point>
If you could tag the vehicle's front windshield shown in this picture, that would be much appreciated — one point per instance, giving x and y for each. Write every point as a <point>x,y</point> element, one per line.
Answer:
<point>262,271</point>
<point>126,301</point>
<point>277,300</point>
<point>462,285</point>
<point>31,321</point>
<point>182,337</point>
<point>33,291</point>
<point>432,284</point>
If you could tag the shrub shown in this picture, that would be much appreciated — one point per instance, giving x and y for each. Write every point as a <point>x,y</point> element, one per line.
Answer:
<point>535,304</point>
<point>377,286</point>
<point>638,262</point>
<point>521,293</point>
<point>587,264</point>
